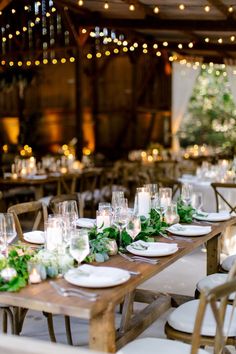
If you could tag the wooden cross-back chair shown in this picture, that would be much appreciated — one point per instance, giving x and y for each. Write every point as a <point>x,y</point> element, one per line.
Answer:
<point>210,321</point>
<point>219,189</point>
<point>37,212</point>
<point>213,301</point>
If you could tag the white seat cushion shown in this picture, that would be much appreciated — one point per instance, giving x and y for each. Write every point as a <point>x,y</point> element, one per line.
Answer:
<point>183,318</point>
<point>157,345</point>
<point>210,281</point>
<point>228,262</point>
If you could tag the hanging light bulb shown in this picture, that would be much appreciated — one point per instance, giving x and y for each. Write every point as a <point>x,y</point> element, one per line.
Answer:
<point>181,7</point>
<point>80,2</point>
<point>231,9</point>
<point>131,7</point>
<point>106,5</point>
<point>156,10</point>
<point>207,8</point>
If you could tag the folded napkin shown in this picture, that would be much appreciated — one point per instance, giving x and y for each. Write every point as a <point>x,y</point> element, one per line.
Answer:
<point>140,245</point>
<point>222,215</point>
<point>86,222</point>
<point>150,247</point>
<point>189,229</point>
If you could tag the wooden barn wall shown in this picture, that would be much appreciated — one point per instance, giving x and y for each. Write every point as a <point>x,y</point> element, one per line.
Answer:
<point>122,119</point>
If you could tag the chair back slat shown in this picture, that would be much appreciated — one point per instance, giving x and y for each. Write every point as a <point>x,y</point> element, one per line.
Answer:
<point>219,196</point>
<point>218,299</point>
<point>36,210</point>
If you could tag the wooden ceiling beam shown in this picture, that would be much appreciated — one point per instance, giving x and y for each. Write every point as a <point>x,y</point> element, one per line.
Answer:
<point>219,5</point>
<point>4,3</point>
<point>153,23</point>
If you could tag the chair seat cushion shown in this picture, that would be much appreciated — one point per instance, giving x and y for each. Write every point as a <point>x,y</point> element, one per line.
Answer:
<point>228,262</point>
<point>157,345</point>
<point>210,281</point>
<point>183,318</point>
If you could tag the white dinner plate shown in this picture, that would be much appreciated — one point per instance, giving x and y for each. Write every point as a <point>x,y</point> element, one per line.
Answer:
<point>221,216</point>
<point>189,230</point>
<point>96,277</point>
<point>153,248</point>
<point>86,222</point>
<point>35,236</point>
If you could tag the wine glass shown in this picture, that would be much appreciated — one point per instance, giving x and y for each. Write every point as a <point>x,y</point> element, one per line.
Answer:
<point>105,206</point>
<point>152,188</point>
<point>186,193</point>
<point>7,230</point>
<point>133,226</point>
<point>120,219</point>
<point>69,209</point>
<point>79,244</point>
<point>117,199</point>
<point>197,201</point>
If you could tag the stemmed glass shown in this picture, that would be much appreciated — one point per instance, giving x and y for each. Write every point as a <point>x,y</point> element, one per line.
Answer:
<point>120,219</point>
<point>117,199</point>
<point>197,201</point>
<point>79,244</point>
<point>7,231</point>
<point>133,226</point>
<point>152,188</point>
<point>186,193</point>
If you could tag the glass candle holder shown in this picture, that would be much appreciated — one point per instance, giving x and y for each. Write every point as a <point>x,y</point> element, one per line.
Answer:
<point>103,219</point>
<point>35,272</point>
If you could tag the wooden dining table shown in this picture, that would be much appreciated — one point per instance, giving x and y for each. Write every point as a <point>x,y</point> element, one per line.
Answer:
<point>103,334</point>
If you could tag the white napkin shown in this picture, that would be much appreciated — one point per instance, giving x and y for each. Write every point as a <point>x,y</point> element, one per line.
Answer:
<point>189,228</point>
<point>85,222</point>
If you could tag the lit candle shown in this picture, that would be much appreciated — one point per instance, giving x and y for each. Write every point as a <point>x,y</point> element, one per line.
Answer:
<point>144,202</point>
<point>34,277</point>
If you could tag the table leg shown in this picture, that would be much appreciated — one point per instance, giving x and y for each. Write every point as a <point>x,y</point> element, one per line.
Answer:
<point>102,332</point>
<point>213,254</point>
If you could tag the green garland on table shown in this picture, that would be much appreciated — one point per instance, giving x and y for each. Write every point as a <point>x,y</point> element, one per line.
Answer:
<point>17,259</point>
<point>185,212</point>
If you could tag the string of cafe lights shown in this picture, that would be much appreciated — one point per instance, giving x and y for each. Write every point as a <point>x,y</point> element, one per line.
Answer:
<point>31,23</point>
<point>158,9</point>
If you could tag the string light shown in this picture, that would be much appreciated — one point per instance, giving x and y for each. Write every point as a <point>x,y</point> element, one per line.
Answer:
<point>106,5</point>
<point>220,40</point>
<point>207,40</point>
<point>232,38</point>
<point>165,44</point>
<point>207,8</point>
<point>156,10</point>
<point>80,2</point>
<point>180,46</point>
<point>231,9</point>
<point>131,7</point>
<point>181,7</point>
<point>190,45</point>
<point>89,56</point>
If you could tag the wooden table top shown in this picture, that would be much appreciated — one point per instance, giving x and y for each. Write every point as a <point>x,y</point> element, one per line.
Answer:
<point>43,297</point>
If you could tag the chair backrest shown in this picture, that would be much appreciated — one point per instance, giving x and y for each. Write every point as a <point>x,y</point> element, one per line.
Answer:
<point>225,193</point>
<point>218,299</point>
<point>37,215</point>
<point>64,197</point>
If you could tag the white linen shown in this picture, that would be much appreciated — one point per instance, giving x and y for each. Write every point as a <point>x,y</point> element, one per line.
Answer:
<point>221,216</point>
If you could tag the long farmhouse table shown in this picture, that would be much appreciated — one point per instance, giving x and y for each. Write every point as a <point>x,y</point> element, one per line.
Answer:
<point>103,335</point>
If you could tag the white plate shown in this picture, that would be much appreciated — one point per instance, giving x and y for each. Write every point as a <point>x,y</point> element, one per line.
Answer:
<point>153,248</point>
<point>189,230</point>
<point>96,277</point>
<point>37,177</point>
<point>221,216</point>
<point>86,222</point>
<point>36,236</point>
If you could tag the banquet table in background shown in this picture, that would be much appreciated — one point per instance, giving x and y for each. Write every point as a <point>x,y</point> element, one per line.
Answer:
<point>103,334</point>
<point>209,205</point>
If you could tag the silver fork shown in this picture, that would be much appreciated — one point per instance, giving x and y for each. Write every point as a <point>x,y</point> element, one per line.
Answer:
<point>73,292</point>
<point>138,259</point>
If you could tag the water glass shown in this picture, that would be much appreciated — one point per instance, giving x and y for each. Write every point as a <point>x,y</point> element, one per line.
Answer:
<point>186,193</point>
<point>7,231</point>
<point>133,226</point>
<point>120,219</point>
<point>197,201</point>
<point>103,219</point>
<point>53,229</point>
<point>117,199</point>
<point>79,244</point>
<point>105,206</point>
